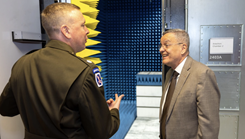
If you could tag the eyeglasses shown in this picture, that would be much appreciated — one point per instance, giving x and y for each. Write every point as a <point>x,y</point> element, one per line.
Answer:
<point>166,46</point>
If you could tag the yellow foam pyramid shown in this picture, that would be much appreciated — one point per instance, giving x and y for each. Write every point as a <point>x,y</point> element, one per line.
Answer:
<point>90,13</point>
<point>91,3</point>
<point>86,9</point>
<point>93,33</point>
<point>87,52</point>
<point>91,42</point>
<point>91,22</point>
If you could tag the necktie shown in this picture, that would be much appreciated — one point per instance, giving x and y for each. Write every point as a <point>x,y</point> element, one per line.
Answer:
<point>167,103</point>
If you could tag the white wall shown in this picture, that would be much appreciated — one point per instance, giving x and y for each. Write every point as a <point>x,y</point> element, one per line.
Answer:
<point>15,15</point>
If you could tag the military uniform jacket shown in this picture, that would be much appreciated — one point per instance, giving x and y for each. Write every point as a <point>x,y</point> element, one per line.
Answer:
<point>58,95</point>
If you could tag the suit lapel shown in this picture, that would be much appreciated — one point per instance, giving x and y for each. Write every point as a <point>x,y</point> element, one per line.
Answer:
<point>183,77</point>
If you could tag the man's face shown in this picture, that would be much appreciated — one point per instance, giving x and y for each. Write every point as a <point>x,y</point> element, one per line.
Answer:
<point>78,31</point>
<point>171,50</point>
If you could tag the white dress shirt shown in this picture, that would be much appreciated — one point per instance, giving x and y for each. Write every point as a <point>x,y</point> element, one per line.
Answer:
<point>178,69</point>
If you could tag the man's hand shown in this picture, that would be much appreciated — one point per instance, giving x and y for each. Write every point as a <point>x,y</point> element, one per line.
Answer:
<point>115,104</point>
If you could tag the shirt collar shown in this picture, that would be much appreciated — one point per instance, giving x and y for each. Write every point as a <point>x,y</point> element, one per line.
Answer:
<point>60,45</point>
<point>180,66</point>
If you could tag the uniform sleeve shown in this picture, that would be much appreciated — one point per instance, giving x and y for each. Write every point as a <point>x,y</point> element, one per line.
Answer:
<point>208,100</point>
<point>97,120</point>
<point>8,105</point>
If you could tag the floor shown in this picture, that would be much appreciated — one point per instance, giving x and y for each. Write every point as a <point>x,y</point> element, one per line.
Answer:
<point>144,128</point>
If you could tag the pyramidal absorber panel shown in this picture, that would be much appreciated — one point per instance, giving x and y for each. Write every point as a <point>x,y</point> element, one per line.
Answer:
<point>134,32</point>
<point>90,13</point>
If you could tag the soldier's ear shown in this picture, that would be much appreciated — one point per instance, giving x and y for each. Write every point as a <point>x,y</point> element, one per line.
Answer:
<point>65,30</point>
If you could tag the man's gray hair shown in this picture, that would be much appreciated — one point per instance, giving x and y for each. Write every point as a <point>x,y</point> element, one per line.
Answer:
<point>181,35</point>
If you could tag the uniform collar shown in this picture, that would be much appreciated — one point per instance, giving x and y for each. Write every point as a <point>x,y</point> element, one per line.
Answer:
<point>56,44</point>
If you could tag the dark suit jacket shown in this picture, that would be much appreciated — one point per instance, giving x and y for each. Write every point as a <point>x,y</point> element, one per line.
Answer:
<point>194,109</point>
<point>57,96</point>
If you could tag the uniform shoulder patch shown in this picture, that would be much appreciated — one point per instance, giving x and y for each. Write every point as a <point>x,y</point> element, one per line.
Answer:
<point>98,78</point>
<point>95,70</point>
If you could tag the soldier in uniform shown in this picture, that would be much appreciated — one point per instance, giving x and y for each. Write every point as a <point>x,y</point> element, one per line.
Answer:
<point>57,94</point>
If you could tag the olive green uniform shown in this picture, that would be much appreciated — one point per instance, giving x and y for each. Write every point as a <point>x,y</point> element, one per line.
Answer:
<point>57,96</point>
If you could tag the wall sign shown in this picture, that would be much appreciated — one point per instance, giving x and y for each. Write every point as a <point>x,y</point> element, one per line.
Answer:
<point>220,45</point>
<point>221,49</point>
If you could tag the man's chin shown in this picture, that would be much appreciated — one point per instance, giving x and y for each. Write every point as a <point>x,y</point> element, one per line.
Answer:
<point>82,49</point>
<point>165,63</point>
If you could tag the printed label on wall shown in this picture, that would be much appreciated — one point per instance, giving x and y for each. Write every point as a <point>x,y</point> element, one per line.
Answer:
<point>221,45</point>
<point>221,49</point>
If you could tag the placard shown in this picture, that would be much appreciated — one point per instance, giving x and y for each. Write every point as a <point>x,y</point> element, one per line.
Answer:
<point>221,45</point>
<point>221,49</point>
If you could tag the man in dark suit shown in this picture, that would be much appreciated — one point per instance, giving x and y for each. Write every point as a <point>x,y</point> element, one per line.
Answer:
<point>57,94</point>
<point>190,101</point>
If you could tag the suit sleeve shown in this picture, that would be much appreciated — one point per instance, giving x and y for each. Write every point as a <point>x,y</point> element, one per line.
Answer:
<point>8,105</point>
<point>208,100</point>
<point>97,120</point>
